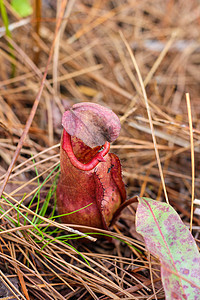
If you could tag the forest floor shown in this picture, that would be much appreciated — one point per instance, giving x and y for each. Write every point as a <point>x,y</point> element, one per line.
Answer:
<point>92,62</point>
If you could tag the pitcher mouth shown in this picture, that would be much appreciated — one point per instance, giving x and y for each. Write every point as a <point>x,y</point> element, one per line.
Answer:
<point>99,156</point>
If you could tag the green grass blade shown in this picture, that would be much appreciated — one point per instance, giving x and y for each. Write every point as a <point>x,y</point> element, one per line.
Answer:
<point>73,212</point>
<point>29,221</point>
<point>8,32</point>
<point>5,18</point>
<point>43,183</point>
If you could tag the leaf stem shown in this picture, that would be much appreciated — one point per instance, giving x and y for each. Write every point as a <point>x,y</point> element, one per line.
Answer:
<point>99,157</point>
<point>122,206</point>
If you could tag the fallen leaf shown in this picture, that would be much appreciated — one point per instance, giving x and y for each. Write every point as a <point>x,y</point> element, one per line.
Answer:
<point>168,238</point>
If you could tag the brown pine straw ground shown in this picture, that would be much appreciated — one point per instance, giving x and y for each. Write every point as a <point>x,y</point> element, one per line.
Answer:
<point>92,62</point>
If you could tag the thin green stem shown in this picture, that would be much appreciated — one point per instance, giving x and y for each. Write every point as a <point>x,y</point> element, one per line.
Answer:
<point>8,32</point>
